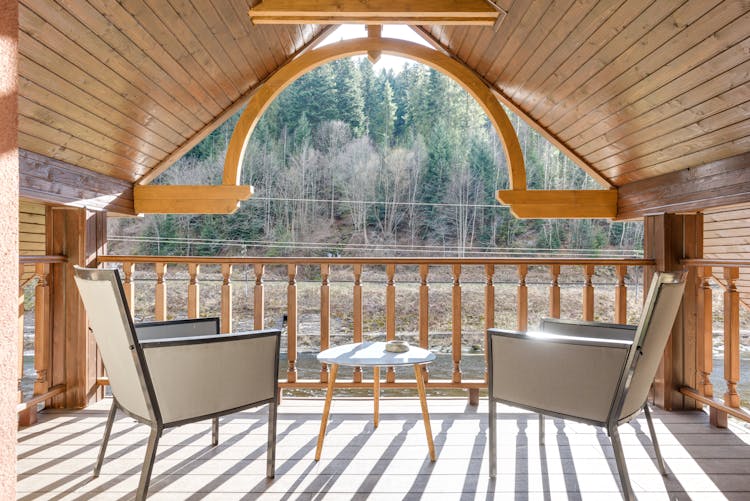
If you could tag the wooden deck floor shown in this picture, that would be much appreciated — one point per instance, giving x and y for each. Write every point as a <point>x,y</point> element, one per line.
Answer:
<point>56,456</point>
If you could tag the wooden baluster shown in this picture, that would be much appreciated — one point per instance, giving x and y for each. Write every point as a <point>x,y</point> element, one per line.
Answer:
<point>731,336</point>
<point>390,314</point>
<point>291,323</point>
<point>160,310</point>
<point>194,299</point>
<point>226,298</point>
<point>424,313</point>
<point>42,339</point>
<point>456,324</point>
<point>621,295</point>
<point>129,286</point>
<point>489,311</point>
<point>25,418</point>
<point>325,316</point>
<point>522,311</point>
<point>588,293</point>
<point>258,298</point>
<point>704,347</point>
<point>554,291</point>
<point>357,314</point>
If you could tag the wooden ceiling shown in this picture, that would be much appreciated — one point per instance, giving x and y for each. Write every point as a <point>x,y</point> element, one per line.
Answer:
<point>632,89</point>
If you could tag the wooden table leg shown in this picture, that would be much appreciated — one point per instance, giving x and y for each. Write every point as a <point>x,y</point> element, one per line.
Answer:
<point>326,410</point>
<point>425,414</point>
<point>376,394</point>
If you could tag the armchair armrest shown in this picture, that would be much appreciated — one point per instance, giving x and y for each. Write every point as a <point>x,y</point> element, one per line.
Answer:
<point>582,328</point>
<point>177,328</point>
<point>555,374</point>
<point>198,376</point>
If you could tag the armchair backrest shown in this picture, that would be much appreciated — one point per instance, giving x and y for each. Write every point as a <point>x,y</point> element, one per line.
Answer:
<point>110,321</point>
<point>658,316</point>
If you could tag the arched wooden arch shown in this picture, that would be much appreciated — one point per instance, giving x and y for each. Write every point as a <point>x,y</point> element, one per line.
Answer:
<point>360,46</point>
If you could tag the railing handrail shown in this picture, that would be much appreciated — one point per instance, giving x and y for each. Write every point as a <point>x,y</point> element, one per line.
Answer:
<point>740,263</point>
<point>42,259</point>
<point>376,260</point>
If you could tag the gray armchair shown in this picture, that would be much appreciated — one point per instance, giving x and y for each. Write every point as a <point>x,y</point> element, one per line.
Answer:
<point>594,373</point>
<point>166,374</point>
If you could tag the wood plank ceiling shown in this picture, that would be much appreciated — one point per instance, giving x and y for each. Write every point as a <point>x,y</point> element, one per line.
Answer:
<point>634,88</point>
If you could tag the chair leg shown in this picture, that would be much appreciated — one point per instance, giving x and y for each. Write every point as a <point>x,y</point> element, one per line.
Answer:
<point>148,463</point>
<point>105,439</point>
<point>271,452</point>
<point>493,437</point>
<point>627,490</point>
<point>215,432</point>
<point>541,429</point>
<point>657,450</point>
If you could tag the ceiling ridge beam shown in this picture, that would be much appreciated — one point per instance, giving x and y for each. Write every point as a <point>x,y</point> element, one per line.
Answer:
<point>503,98</point>
<point>230,110</point>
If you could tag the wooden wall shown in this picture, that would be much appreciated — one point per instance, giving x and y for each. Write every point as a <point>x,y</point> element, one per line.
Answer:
<point>727,236</point>
<point>32,229</point>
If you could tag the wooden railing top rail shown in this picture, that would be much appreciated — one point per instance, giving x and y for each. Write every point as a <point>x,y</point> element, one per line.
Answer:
<point>378,260</point>
<point>742,263</point>
<point>42,259</point>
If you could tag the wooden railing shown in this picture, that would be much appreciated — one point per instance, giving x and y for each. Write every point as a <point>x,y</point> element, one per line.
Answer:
<point>43,391</point>
<point>157,269</point>
<point>725,273</point>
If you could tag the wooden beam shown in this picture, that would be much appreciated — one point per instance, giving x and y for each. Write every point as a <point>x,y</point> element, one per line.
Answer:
<point>443,12</point>
<point>203,199</point>
<point>717,184</point>
<point>560,204</point>
<point>51,181</point>
<point>374,31</point>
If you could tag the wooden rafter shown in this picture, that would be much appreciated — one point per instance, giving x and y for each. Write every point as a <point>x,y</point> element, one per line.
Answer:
<point>423,12</point>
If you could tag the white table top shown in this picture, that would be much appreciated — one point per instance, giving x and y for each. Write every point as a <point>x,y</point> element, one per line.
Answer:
<point>373,354</point>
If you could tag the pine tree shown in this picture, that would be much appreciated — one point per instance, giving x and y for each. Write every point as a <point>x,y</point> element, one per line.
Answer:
<point>349,94</point>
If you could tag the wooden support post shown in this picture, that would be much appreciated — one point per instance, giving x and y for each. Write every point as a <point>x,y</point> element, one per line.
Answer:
<point>160,302</point>
<point>456,324</point>
<point>522,299</point>
<point>554,291</point>
<point>731,337</point>
<point>194,297</point>
<point>357,314</point>
<point>390,314</point>
<point>291,323</point>
<point>226,298</point>
<point>258,298</point>
<point>621,295</point>
<point>128,286</point>
<point>374,31</point>
<point>489,312</point>
<point>588,292</point>
<point>325,316</point>
<point>25,418</point>
<point>424,314</point>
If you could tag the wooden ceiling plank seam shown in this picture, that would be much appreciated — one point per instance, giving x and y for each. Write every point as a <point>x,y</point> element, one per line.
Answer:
<point>209,42</point>
<point>161,84</point>
<point>723,118</point>
<point>517,38</point>
<point>533,75</point>
<point>707,155</point>
<point>38,45</point>
<point>252,51</point>
<point>65,139</point>
<point>487,51</point>
<point>459,41</point>
<point>681,149</point>
<point>522,115</point>
<point>171,31</point>
<point>714,95</point>
<point>221,28</point>
<point>53,149</point>
<point>536,36</point>
<point>108,111</point>
<point>224,116</point>
<point>239,37</point>
<point>617,56</point>
<point>680,55</point>
<point>74,111</point>
<point>546,96</point>
<point>531,60</point>
<point>30,108</point>
<point>284,41</point>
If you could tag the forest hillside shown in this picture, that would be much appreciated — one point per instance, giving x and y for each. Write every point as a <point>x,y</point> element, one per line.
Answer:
<point>349,161</point>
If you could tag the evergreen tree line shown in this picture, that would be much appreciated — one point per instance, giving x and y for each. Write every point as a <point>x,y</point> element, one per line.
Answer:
<point>349,161</point>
